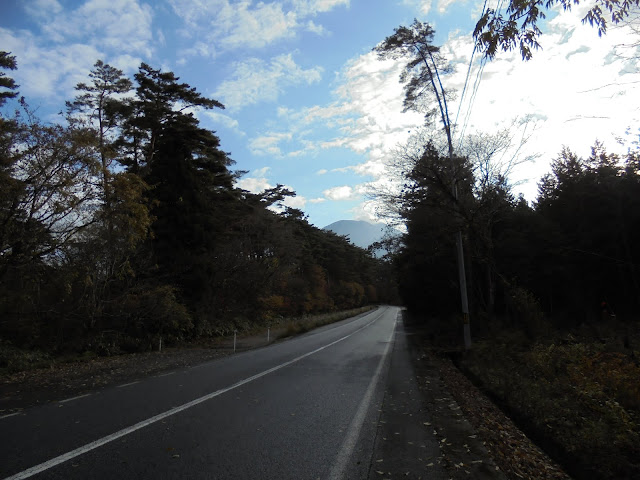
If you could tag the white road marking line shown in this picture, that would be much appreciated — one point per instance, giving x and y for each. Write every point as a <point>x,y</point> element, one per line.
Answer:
<point>127,384</point>
<point>348,444</point>
<point>126,431</point>
<point>11,415</point>
<point>165,374</point>
<point>74,398</point>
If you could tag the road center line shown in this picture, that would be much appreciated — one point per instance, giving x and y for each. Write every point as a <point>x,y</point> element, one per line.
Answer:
<point>126,431</point>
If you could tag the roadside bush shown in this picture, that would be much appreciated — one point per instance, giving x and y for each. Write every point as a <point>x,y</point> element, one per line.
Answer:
<point>13,359</point>
<point>527,313</point>
<point>573,396</point>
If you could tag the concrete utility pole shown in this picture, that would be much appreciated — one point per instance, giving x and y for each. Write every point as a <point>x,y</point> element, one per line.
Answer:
<point>417,41</point>
<point>462,276</point>
<point>444,114</point>
<point>466,325</point>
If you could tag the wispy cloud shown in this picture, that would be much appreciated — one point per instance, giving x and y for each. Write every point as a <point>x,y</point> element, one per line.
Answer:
<point>60,51</point>
<point>247,24</point>
<point>255,80</point>
<point>345,192</point>
<point>366,116</point>
<point>269,144</point>
<point>221,119</point>
<point>256,182</point>
<point>578,85</point>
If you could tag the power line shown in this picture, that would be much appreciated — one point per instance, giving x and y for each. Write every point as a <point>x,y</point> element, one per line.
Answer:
<point>477,81</point>
<point>466,80</point>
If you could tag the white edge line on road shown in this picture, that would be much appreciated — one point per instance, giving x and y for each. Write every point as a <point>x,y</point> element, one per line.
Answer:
<point>74,398</point>
<point>11,415</point>
<point>126,431</point>
<point>350,441</point>
<point>127,384</point>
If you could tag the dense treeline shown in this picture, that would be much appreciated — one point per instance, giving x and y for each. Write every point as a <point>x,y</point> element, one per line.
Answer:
<point>553,285</point>
<point>570,258</point>
<point>571,255</point>
<point>122,224</point>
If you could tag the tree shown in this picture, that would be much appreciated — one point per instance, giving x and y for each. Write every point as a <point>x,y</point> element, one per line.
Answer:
<point>519,29</point>
<point>422,79</point>
<point>192,196</point>
<point>99,108</point>
<point>160,99</point>
<point>50,197</point>
<point>7,61</point>
<point>421,74</point>
<point>589,203</point>
<point>47,201</point>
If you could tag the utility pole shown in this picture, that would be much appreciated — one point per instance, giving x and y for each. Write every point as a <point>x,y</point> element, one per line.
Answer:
<point>462,276</point>
<point>444,115</point>
<point>417,42</point>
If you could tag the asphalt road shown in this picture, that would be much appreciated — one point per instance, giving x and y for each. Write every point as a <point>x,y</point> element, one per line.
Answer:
<point>306,408</point>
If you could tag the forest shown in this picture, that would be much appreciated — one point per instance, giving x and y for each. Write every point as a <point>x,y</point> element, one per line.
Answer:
<point>121,224</point>
<point>552,285</point>
<point>566,260</point>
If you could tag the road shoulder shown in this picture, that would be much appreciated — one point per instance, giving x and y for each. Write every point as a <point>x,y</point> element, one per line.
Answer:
<point>421,431</point>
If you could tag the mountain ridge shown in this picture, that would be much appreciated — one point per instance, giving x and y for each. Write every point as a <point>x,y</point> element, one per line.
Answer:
<point>360,232</point>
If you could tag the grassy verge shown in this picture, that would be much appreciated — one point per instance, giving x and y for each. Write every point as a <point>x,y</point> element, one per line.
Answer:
<point>576,394</point>
<point>296,326</point>
<point>14,360</point>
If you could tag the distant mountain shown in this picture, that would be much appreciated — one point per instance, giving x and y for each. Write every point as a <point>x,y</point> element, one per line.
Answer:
<point>360,233</point>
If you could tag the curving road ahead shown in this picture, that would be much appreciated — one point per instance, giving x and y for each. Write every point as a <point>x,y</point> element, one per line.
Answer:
<point>306,408</point>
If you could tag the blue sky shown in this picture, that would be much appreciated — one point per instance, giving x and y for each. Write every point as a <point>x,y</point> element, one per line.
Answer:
<point>308,104</point>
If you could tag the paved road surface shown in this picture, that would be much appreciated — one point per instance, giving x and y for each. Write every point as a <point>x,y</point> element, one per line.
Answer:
<point>305,408</point>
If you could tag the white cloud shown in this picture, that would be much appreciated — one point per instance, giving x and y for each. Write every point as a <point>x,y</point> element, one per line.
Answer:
<point>268,144</point>
<point>367,115</point>
<point>246,24</point>
<point>110,25</point>
<point>42,8</point>
<point>221,119</point>
<point>344,192</point>
<point>365,211</point>
<point>322,171</point>
<point>578,85</point>
<point>47,72</point>
<point>317,200</point>
<point>295,202</point>
<point>62,49</point>
<point>255,80</point>
<point>317,29</point>
<point>443,5</point>
<point>313,7</point>
<point>261,172</point>
<point>253,184</point>
<point>423,5</point>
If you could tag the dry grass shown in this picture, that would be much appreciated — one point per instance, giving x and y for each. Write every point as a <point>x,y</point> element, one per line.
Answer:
<point>577,394</point>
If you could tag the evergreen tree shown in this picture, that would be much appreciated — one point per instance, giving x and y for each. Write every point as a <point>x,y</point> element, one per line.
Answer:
<point>7,61</point>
